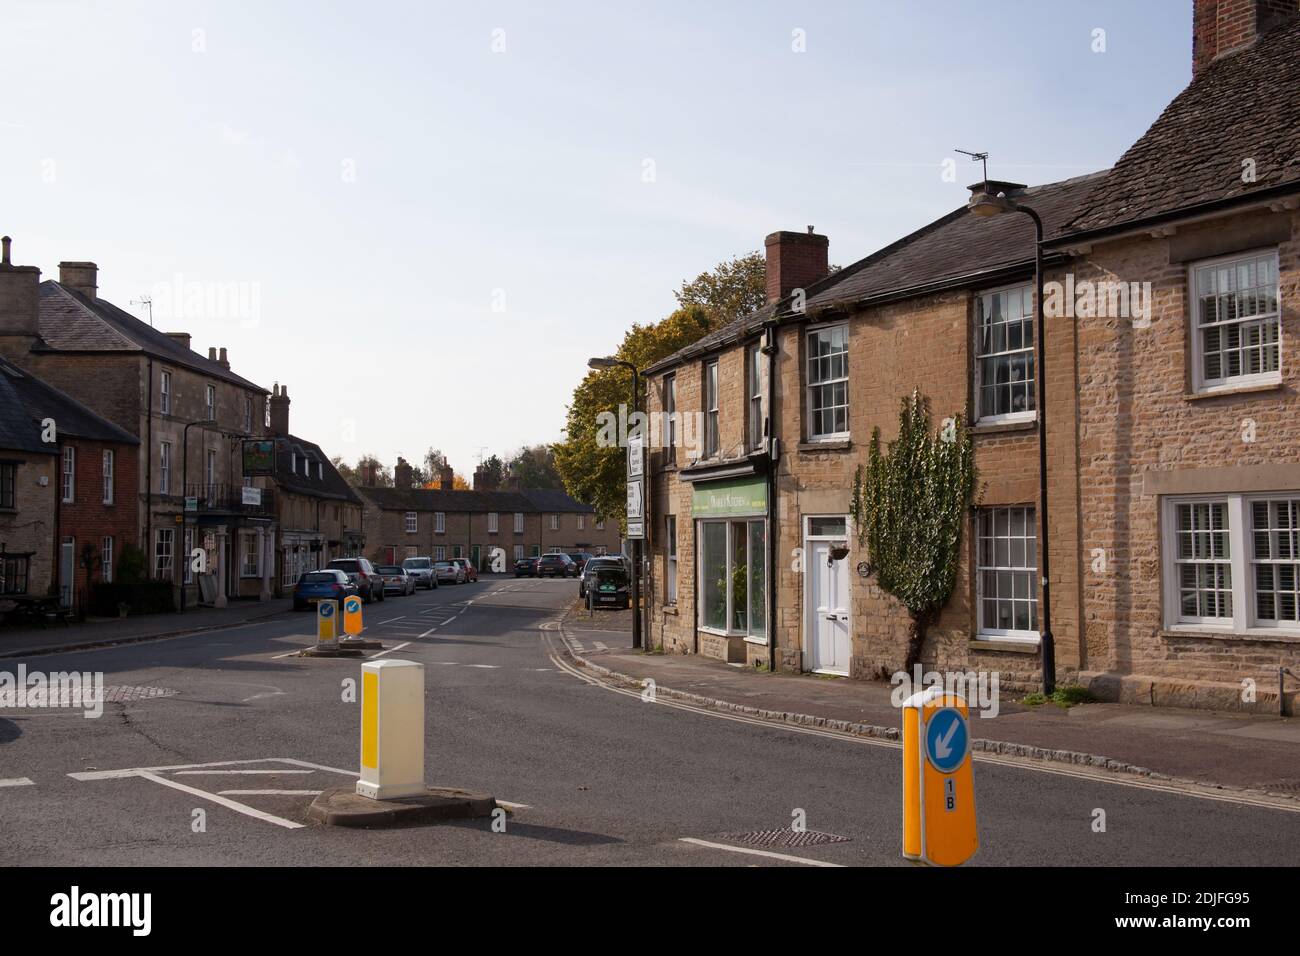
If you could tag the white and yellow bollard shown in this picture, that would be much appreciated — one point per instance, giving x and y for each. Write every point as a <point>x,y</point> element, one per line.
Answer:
<point>392,729</point>
<point>352,625</point>
<point>327,625</point>
<point>938,783</point>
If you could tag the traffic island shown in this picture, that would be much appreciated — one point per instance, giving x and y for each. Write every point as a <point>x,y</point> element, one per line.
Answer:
<point>320,651</point>
<point>359,644</point>
<point>344,807</point>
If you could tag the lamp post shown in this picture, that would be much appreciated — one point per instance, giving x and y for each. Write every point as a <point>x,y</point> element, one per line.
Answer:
<point>986,205</point>
<point>600,363</point>
<point>185,518</point>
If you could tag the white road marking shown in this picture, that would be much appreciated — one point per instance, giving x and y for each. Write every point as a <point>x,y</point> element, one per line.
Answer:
<point>513,806</point>
<point>491,667</point>
<point>197,773</point>
<point>18,782</point>
<point>136,771</point>
<point>289,654</point>
<point>601,646</point>
<point>221,801</point>
<point>764,853</point>
<point>269,793</point>
<point>395,647</point>
<point>390,620</point>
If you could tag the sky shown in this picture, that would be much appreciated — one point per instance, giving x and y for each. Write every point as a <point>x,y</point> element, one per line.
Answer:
<point>423,218</point>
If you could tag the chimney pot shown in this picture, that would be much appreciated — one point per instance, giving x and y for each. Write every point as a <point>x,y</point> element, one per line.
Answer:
<point>223,361</point>
<point>81,277</point>
<point>4,257</point>
<point>279,403</point>
<point>212,353</point>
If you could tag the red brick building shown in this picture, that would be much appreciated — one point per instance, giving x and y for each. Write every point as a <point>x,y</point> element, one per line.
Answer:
<point>95,508</point>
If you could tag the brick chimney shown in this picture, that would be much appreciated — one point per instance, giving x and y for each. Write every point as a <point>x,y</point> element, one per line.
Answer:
<point>402,474</point>
<point>483,480</point>
<point>81,277</point>
<point>369,473</point>
<point>180,338</point>
<point>795,260</point>
<point>20,297</point>
<point>279,403</point>
<point>222,360</point>
<point>446,477</point>
<point>1220,27</point>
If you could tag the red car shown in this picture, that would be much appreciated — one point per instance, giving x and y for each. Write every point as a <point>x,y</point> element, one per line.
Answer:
<point>471,572</point>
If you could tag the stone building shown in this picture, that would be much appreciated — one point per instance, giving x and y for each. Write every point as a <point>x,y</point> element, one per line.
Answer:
<point>1173,457</point>
<point>28,490</point>
<point>191,414</point>
<point>442,523</point>
<point>318,515</point>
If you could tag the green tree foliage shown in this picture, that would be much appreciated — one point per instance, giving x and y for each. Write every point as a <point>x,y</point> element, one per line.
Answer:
<point>732,289</point>
<point>494,470</point>
<point>534,466</point>
<point>596,474</point>
<point>911,504</point>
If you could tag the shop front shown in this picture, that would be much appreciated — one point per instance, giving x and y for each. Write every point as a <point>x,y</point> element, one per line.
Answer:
<point>731,534</point>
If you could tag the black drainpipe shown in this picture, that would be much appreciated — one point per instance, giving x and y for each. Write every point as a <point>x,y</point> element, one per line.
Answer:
<point>773,453</point>
<point>148,477</point>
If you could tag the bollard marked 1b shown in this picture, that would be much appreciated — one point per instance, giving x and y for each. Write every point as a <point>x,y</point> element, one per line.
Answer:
<point>392,729</point>
<point>327,620</point>
<point>938,784</point>
<point>352,614</point>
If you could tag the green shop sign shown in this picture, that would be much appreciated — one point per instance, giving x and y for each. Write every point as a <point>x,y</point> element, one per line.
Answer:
<point>724,499</point>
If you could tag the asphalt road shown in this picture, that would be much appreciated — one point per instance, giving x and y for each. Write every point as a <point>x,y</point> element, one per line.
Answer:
<point>603,778</point>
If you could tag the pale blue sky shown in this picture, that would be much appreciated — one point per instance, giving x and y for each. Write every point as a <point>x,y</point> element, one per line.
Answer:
<point>520,171</point>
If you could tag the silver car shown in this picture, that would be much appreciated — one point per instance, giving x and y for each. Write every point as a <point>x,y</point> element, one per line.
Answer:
<point>449,572</point>
<point>396,579</point>
<point>422,570</point>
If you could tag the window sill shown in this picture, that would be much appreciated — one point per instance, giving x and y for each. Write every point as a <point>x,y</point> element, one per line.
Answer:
<point>1223,391</point>
<point>1008,645</point>
<point>1255,634</point>
<point>825,444</point>
<point>760,641</point>
<point>670,609</point>
<point>1010,425</point>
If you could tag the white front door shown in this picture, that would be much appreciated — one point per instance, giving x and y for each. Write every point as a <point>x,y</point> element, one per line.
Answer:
<point>828,609</point>
<point>67,570</point>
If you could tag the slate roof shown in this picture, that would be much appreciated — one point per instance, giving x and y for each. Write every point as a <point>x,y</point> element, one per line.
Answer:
<point>17,430</point>
<point>330,485</point>
<point>437,499</point>
<point>957,249</point>
<point>1243,106</point>
<point>40,400</point>
<point>70,322</point>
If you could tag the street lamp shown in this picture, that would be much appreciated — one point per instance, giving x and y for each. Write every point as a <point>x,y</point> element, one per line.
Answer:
<point>610,362</point>
<point>987,204</point>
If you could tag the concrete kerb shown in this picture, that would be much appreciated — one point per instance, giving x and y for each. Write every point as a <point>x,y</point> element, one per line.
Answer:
<point>1027,752</point>
<point>140,639</point>
<point>344,807</point>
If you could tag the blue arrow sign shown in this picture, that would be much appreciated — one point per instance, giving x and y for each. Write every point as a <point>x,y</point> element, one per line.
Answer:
<point>354,604</point>
<point>326,610</point>
<point>946,739</point>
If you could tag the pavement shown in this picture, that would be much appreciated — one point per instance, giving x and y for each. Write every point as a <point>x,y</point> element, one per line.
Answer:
<point>1223,750</point>
<point>212,747</point>
<point>106,631</point>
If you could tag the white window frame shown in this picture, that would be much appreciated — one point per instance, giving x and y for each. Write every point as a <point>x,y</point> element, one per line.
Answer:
<point>440,552</point>
<point>210,406</point>
<point>712,414</point>
<point>492,522</point>
<point>1243,622</point>
<point>412,522</point>
<point>108,476</point>
<point>187,560</point>
<point>1008,634</point>
<point>810,385</point>
<point>164,468</point>
<point>250,558</point>
<point>670,559</point>
<point>68,474</point>
<point>600,524</point>
<point>1029,415</point>
<point>670,415</point>
<point>519,552</point>
<point>165,392</point>
<point>248,423</point>
<point>582,522</point>
<point>106,559</point>
<point>730,523</point>
<point>1200,384</point>
<point>555,522</point>
<point>754,397</point>
<point>439,522</point>
<point>519,522</point>
<point>210,474</point>
<point>160,571</point>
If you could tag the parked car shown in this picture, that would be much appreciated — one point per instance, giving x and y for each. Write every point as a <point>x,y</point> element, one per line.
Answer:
<point>526,567</point>
<point>422,570</point>
<point>580,558</point>
<point>362,574</point>
<point>396,579</point>
<point>327,585</point>
<point>471,572</point>
<point>558,565</point>
<point>590,568</point>
<point>449,572</point>
<point>609,586</point>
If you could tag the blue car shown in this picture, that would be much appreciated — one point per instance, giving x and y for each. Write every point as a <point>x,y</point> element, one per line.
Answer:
<point>327,585</point>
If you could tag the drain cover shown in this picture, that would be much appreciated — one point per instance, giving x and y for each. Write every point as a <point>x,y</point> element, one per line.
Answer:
<point>785,837</point>
<point>121,694</point>
<point>1287,786</point>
